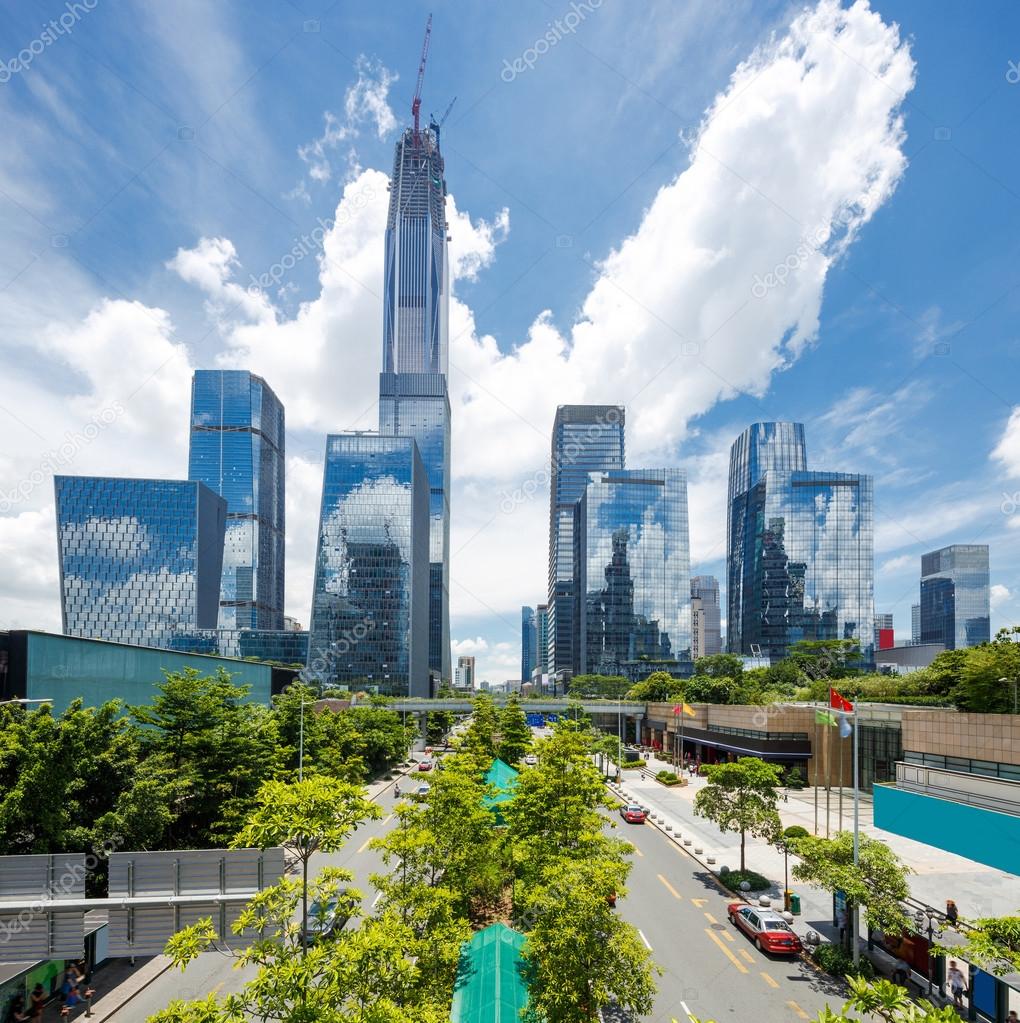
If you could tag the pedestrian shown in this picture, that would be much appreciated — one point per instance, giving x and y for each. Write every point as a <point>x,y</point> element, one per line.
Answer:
<point>1012,1017</point>
<point>957,983</point>
<point>396,790</point>
<point>16,1013</point>
<point>38,1001</point>
<point>952,913</point>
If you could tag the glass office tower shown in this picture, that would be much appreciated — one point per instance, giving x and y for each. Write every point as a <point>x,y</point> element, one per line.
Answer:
<point>585,439</point>
<point>705,590</point>
<point>370,598</point>
<point>761,447</point>
<point>632,554</point>
<point>529,640</point>
<point>413,397</point>
<point>805,566</point>
<point>140,560</point>
<point>955,596</point>
<point>542,638</point>
<point>238,450</point>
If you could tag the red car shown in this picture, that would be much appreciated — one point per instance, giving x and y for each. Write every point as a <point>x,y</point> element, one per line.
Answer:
<point>425,765</point>
<point>766,928</point>
<point>633,814</point>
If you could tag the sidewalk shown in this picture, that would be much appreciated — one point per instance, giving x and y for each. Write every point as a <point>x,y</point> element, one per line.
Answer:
<point>977,890</point>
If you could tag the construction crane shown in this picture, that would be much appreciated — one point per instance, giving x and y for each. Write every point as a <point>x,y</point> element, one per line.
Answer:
<point>436,125</point>
<point>416,102</point>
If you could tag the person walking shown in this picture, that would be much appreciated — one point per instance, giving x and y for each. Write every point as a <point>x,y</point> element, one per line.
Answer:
<point>16,1013</point>
<point>952,913</point>
<point>957,983</point>
<point>38,1002</point>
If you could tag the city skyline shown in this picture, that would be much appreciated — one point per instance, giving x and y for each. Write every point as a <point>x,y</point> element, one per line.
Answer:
<point>284,275</point>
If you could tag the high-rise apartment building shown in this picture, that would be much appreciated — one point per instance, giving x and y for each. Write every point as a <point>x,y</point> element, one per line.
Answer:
<point>956,596</point>
<point>585,439</point>
<point>529,641</point>
<point>464,677</point>
<point>706,627</point>
<point>238,450</point>
<point>370,601</point>
<point>799,548</point>
<point>915,623</point>
<point>632,557</point>
<point>140,560</point>
<point>413,396</point>
<point>542,638</point>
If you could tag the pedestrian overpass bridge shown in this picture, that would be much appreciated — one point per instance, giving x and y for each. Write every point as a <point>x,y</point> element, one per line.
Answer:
<point>462,705</point>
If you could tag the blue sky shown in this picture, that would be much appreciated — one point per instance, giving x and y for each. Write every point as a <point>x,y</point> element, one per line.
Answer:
<point>607,216</point>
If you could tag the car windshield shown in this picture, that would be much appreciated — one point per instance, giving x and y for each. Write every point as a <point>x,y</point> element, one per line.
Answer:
<point>634,809</point>
<point>776,925</point>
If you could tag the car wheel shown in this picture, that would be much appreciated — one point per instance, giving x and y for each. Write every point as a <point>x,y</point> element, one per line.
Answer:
<point>761,946</point>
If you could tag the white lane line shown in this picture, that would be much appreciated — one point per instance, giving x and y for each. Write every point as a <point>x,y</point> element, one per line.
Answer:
<point>683,1005</point>
<point>378,896</point>
<point>388,819</point>
<point>644,939</point>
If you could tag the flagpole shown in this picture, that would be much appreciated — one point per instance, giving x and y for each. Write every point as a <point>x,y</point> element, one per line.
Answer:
<point>857,843</point>
<point>817,764</point>
<point>828,775</point>
<point>841,781</point>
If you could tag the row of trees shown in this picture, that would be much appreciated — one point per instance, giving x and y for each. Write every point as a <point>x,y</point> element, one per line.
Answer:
<point>181,772</point>
<point>550,870</point>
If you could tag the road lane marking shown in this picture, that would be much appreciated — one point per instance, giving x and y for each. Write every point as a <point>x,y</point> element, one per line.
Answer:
<point>378,896</point>
<point>711,919</point>
<point>700,902</point>
<point>637,850</point>
<point>729,937</point>
<point>388,819</point>
<point>364,845</point>
<point>725,951</point>
<point>683,1005</point>
<point>644,939</point>
<point>797,1009</point>
<point>768,980</point>
<point>672,891</point>
<point>746,954</point>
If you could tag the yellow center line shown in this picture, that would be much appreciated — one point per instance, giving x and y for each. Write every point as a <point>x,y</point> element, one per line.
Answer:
<point>768,980</point>
<point>725,951</point>
<point>728,936</point>
<point>745,954</point>
<point>364,845</point>
<point>672,891</point>
<point>798,1010</point>
<point>636,849</point>
<point>388,819</point>
<point>711,919</point>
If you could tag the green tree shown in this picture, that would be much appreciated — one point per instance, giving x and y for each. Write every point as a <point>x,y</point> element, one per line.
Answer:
<point>514,732</point>
<point>659,687</point>
<point>711,689</point>
<point>604,687</point>
<point>993,943</point>
<point>980,689</point>
<point>438,723</point>
<point>481,734</point>
<point>878,882</point>
<point>580,955</point>
<point>741,797</point>
<point>720,666</point>
<point>317,814</point>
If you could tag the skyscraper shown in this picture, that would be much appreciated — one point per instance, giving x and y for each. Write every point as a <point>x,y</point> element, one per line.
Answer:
<point>465,675</point>
<point>632,556</point>
<point>370,598</point>
<point>706,639</point>
<point>884,635</point>
<point>238,450</point>
<point>915,623</point>
<point>140,560</point>
<point>585,439</point>
<point>529,642</point>
<point>542,638</point>
<point>955,596</point>
<point>799,550</point>
<point>413,397</point>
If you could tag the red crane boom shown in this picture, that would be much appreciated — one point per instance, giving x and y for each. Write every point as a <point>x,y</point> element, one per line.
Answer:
<point>416,102</point>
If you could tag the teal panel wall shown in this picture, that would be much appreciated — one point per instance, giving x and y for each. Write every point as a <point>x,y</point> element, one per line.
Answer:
<point>64,668</point>
<point>982,835</point>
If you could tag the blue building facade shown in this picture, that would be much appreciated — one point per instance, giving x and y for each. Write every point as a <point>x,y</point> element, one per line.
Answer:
<point>800,557</point>
<point>955,607</point>
<point>413,394</point>
<point>238,449</point>
<point>633,566</point>
<point>585,439</point>
<point>140,560</point>
<point>370,602</point>
<point>281,645</point>
<point>529,642</point>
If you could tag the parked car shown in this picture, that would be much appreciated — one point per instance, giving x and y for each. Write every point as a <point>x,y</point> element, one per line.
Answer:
<point>425,765</point>
<point>323,920</point>
<point>766,928</point>
<point>633,814</point>
<point>531,760</point>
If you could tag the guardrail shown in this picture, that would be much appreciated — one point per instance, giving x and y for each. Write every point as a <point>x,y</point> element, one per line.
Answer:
<point>960,787</point>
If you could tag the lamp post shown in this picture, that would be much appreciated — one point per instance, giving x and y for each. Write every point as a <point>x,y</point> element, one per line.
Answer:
<point>784,845</point>
<point>1015,684</point>
<point>925,921</point>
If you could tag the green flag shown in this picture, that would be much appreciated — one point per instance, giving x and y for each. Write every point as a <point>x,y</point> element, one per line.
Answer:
<point>825,717</point>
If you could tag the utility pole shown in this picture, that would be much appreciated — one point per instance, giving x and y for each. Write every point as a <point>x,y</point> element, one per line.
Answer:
<point>857,829</point>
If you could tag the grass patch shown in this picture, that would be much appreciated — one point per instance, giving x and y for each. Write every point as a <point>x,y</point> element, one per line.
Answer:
<point>734,878</point>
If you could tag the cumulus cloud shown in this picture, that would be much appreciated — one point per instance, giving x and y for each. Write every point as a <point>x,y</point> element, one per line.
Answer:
<point>1007,451</point>
<point>999,595</point>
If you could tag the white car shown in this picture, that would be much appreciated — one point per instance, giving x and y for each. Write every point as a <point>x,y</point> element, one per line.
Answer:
<point>531,760</point>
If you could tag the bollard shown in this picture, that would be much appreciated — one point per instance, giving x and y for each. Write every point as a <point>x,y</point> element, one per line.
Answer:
<point>698,850</point>
<point>710,860</point>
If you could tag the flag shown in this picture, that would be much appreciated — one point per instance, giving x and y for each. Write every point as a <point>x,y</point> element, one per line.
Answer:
<point>846,728</point>
<point>684,708</point>
<point>825,717</point>
<point>839,702</point>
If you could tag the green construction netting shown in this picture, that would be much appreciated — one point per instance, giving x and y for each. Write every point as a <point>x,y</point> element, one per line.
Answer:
<point>503,778</point>
<point>490,988</point>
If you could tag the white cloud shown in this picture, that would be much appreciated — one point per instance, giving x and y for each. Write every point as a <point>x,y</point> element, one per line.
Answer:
<point>494,662</point>
<point>1007,451</point>
<point>897,564</point>
<point>999,595</point>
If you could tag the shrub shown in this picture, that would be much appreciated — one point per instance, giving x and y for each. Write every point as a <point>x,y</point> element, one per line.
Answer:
<point>669,778</point>
<point>796,831</point>
<point>835,959</point>
<point>794,779</point>
<point>734,879</point>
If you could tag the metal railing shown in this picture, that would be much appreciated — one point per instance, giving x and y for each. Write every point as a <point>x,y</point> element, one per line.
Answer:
<point>960,787</point>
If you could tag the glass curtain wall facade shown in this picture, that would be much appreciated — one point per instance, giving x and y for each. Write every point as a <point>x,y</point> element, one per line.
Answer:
<point>705,588</point>
<point>585,439</point>
<point>807,567</point>
<point>238,450</point>
<point>370,598</point>
<point>632,554</point>
<point>140,560</point>
<point>761,447</point>
<point>529,640</point>
<point>955,596</point>
<point>542,638</point>
<point>413,395</point>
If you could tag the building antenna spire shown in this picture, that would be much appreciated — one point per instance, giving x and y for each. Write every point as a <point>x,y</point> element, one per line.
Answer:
<point>416,102</point>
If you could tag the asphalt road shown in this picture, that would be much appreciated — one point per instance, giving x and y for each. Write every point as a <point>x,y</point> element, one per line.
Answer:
<point>711,970</point>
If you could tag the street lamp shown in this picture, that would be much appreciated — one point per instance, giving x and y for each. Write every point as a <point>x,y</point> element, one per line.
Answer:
<point>784,846</point>
<point>925,923</point>
<point>1013,682</point>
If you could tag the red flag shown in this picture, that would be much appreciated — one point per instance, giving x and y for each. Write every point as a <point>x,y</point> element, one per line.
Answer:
<point>839,702</point>
<point>676,711</point>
